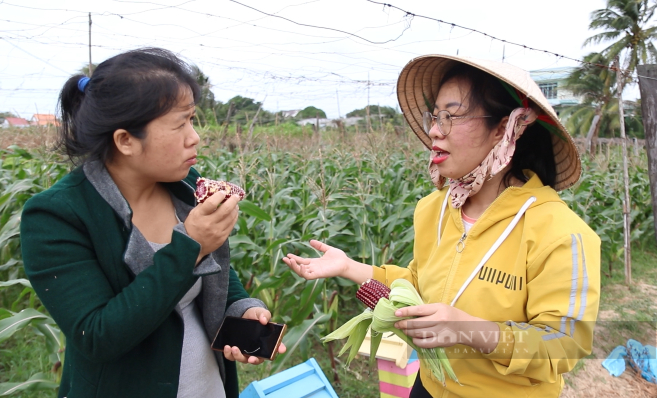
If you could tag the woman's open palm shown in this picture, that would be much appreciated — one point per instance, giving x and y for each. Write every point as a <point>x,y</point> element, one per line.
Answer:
<point>334,262</point>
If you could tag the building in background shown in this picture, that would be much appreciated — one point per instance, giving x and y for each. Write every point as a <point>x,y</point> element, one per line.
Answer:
<point>332,123</point>
<point>17,122</point>
<point>292,113</point>
<point>44,119</point>
<point>552,83</point>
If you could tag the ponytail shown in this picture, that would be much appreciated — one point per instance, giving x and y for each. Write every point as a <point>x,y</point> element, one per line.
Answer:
<point>70,99</point>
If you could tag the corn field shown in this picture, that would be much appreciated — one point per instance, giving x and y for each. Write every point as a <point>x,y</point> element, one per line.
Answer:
<point>356,192</point>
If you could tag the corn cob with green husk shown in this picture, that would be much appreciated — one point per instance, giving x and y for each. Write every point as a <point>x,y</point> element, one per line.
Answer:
<point>380,317</point>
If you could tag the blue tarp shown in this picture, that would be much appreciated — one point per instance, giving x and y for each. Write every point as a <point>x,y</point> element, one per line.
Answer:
<point>642,358</point>
<point>615,362</point>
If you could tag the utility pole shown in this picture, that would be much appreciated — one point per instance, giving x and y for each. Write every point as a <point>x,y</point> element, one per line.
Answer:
<point>626,201</point>
<point>227,121</point>
<point>338,99</point>
<point>255,118</point>
<point>277,112</point>
<point>380,118</point>
<point>369,125</point>
<point>90,71</point>
<point>648,89</point>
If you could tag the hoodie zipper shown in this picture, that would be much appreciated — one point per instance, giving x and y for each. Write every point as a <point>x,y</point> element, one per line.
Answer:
<point>460,245</point>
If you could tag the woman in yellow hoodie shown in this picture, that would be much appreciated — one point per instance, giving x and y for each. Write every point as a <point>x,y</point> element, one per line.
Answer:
<point>511,275</point>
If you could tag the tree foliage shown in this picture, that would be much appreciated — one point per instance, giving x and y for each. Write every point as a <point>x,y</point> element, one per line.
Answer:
<point>4,115</point>
<point>206,101</point>
<point>596,86</point>
<point>625,22</point>
<point>310,112</point>
<point>85,69</point>
<point>375,110</point>
<point>240,109</point>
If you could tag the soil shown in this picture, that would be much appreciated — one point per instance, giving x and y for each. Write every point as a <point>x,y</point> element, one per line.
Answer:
<point>592,380</point>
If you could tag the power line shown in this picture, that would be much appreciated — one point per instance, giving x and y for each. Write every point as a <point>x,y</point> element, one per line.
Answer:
<point>323,27</point>
<point>122,16</point>
<point>406,13</point>
<point>327,77</point>
<point>286,53</point>
<point>475,31</point>
<point>453,25</point>
<point>32,55</point>
<point>163,6</point>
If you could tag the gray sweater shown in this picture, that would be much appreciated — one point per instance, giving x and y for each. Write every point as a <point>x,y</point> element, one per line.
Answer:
<point>199,372</point>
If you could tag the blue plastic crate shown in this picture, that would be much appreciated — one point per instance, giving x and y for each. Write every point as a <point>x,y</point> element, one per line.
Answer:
<point>305,380</point>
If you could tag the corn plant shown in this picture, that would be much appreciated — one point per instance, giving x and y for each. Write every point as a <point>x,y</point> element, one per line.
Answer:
<point>40,323</point>
<point>359,201</point>
<point>598,199</point>
<point>357,195</point>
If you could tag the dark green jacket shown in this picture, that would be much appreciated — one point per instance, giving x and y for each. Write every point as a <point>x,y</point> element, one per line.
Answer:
<point>115,299</point>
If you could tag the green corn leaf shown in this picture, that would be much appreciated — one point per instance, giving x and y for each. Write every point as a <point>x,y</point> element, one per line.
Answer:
<point>295,336</point>
<point>5,313</point>
<point>345,330</point>
<point>12,282</point>
<point>254,211</point>
<point>356,339</point>
<point>442,357</point>
<point>406,338</point>
<point>432,362</point>
<point>8,326</point>
<point>307,299</point>
<point>375,342</point>
<point>39,381</point>
<point>384,316</point>
<point>403,292</point>
<point>54,337</point>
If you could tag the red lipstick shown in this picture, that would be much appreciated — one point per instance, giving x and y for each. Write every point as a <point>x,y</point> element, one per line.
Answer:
<point>438,155</point>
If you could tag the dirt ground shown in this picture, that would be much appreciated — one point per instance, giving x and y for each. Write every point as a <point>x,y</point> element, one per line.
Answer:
<point>592,380</point>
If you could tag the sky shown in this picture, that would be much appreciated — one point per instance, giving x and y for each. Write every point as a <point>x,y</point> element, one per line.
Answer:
<point>337,55</point>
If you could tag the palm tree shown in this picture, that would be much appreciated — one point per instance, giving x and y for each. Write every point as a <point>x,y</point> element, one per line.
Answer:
<point>598,111</point>
<point>626,22</point>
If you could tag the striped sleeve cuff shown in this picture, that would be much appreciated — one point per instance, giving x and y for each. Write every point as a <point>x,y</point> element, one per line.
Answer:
<point>503,352</point>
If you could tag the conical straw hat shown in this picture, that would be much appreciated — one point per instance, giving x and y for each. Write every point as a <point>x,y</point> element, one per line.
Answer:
<point>418,84</point>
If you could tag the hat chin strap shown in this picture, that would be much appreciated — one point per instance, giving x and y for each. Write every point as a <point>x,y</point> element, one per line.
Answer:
<point>497,159</point>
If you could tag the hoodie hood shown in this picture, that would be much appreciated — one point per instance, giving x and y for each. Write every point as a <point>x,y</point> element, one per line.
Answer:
<point>507,204</point>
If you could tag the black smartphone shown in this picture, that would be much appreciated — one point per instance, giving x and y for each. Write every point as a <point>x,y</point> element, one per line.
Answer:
<point>250,336</point>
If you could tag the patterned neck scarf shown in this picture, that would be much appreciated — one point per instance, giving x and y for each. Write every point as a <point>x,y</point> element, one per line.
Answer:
<point>497,159</point>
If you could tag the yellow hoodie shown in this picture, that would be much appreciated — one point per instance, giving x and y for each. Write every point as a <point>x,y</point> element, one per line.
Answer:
<point>542,287</point>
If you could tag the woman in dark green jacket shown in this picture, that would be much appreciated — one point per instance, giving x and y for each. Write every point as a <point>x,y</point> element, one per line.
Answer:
<point>137,276</point>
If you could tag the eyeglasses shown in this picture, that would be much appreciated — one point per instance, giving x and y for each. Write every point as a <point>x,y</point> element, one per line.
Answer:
<point>444,121</point>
